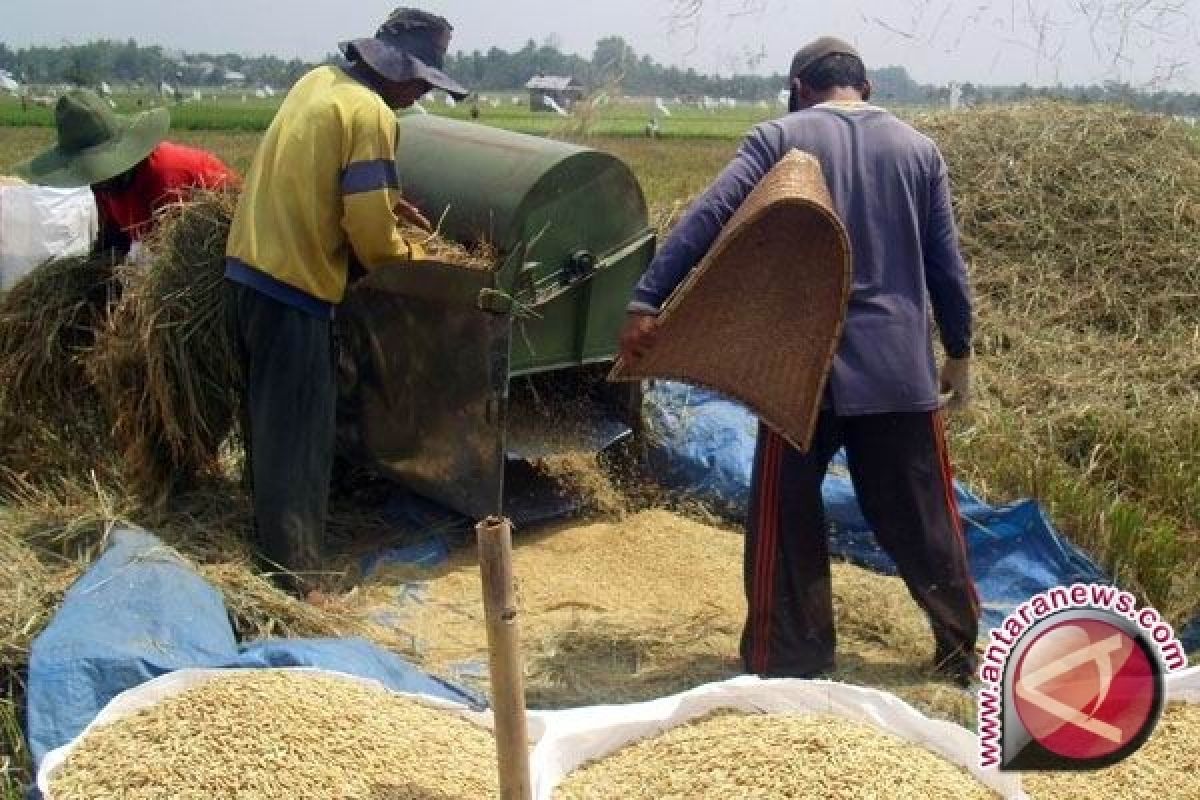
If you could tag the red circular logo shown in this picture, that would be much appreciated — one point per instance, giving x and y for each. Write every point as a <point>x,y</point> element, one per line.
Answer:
<point>1085,689</point>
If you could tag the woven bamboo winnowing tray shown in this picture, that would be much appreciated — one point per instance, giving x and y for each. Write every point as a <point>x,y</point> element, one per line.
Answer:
<point>760,317</point>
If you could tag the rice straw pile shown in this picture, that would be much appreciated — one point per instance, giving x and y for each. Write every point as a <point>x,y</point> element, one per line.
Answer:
<point>1100,207</point>
<point>276,734</point>
<point>50,534</point>
<point>1082,225</point>
<point>49,416</point>
<point>772,757</point>
<point>1168,765</point>
<point>165,363</point>
<point>648,605</point>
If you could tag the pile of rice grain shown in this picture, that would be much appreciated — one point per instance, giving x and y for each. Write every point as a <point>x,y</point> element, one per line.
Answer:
<point>276,734</point>
<point>1168,765</point>
<point>648,605</point>
<point>734,755</point>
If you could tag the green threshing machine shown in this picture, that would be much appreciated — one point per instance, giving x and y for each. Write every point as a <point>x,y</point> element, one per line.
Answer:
<point>455,373</point>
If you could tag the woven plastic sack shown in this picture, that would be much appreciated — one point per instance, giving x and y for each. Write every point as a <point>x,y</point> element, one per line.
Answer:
<point>38,223</point>
<point>152,692</point>
<point>575,737</point>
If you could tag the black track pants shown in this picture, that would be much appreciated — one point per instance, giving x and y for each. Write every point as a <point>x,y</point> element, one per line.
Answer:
<point>901,474</point>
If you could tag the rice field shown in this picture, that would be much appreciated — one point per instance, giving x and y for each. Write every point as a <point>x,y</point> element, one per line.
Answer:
<point>232,111</point>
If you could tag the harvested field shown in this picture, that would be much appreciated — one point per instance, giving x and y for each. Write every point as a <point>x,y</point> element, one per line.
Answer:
<point>270,734</point>
<point>771,757</point>
<point>1168,765</point>
<point>1086,398</point>
<point>649,605</point>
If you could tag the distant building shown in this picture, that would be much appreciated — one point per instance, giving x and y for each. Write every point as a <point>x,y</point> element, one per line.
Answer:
<point>564,91</point>
<point>234,78</point>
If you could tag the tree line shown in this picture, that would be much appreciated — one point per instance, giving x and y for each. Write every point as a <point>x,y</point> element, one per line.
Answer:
<point>133,64</point>
<point>613,65</point>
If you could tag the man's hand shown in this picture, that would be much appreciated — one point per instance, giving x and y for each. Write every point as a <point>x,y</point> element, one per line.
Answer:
<point>638,336</point>
<point>955,384</point>
<point>407,212</point>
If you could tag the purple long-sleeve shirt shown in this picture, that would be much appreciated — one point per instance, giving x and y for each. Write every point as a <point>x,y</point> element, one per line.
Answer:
<point>891,190</point>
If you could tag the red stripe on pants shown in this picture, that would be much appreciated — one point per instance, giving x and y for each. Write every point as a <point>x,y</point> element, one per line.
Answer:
<point>939,438</point>
<point>765,551</point>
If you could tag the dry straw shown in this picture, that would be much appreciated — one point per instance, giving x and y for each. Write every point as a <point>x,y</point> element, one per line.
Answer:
<point>1089,215</point>
<point>1082,225</point>
<point>772,757</point>
<point>49,418</point>
<point>165,362</point>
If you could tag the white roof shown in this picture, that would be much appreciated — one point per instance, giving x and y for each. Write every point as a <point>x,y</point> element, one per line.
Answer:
<point>555,83</point>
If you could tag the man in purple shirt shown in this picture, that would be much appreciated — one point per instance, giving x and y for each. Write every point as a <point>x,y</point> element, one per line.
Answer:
<point>890,187</point>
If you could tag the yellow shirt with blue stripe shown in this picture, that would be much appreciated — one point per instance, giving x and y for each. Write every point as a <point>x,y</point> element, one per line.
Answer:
<point>322,186</point>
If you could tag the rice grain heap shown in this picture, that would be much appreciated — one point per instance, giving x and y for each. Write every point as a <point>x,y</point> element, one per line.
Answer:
<point>1168,765</point>
<point>645,606</point>
<point>257,734</point>
<point>769,756</point>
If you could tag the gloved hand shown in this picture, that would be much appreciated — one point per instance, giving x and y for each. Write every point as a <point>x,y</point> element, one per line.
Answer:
<point>955,384</point>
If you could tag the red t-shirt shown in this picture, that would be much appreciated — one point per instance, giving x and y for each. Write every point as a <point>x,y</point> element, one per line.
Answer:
<point>166,176</point>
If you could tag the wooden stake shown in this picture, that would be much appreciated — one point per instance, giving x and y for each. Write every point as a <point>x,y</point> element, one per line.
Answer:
<point>504,657</point>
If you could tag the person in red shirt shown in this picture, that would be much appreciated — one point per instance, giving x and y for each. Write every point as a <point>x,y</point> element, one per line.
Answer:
<point>131,170</point>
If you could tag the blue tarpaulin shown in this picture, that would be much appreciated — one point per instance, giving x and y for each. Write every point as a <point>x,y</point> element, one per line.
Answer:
<point>139,612</point>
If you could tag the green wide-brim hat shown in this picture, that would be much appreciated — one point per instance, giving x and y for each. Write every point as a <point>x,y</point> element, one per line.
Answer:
<point>94,143</point>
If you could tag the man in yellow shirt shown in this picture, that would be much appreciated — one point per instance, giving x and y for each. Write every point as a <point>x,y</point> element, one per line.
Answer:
<point>323,188</point>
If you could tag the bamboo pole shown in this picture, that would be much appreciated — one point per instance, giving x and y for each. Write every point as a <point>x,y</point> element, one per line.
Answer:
<point>504,657</point>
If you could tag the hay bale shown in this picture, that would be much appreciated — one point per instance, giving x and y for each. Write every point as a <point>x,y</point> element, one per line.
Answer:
<point>771,756</point>
<point>1168,765</point>
<point>265,734</point>
<point>165,363</point>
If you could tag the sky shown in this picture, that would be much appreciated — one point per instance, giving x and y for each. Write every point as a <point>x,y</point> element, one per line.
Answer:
<point>1149,43</point>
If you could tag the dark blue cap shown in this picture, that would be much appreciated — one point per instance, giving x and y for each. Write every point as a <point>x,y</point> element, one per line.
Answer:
<point>409,45</point>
